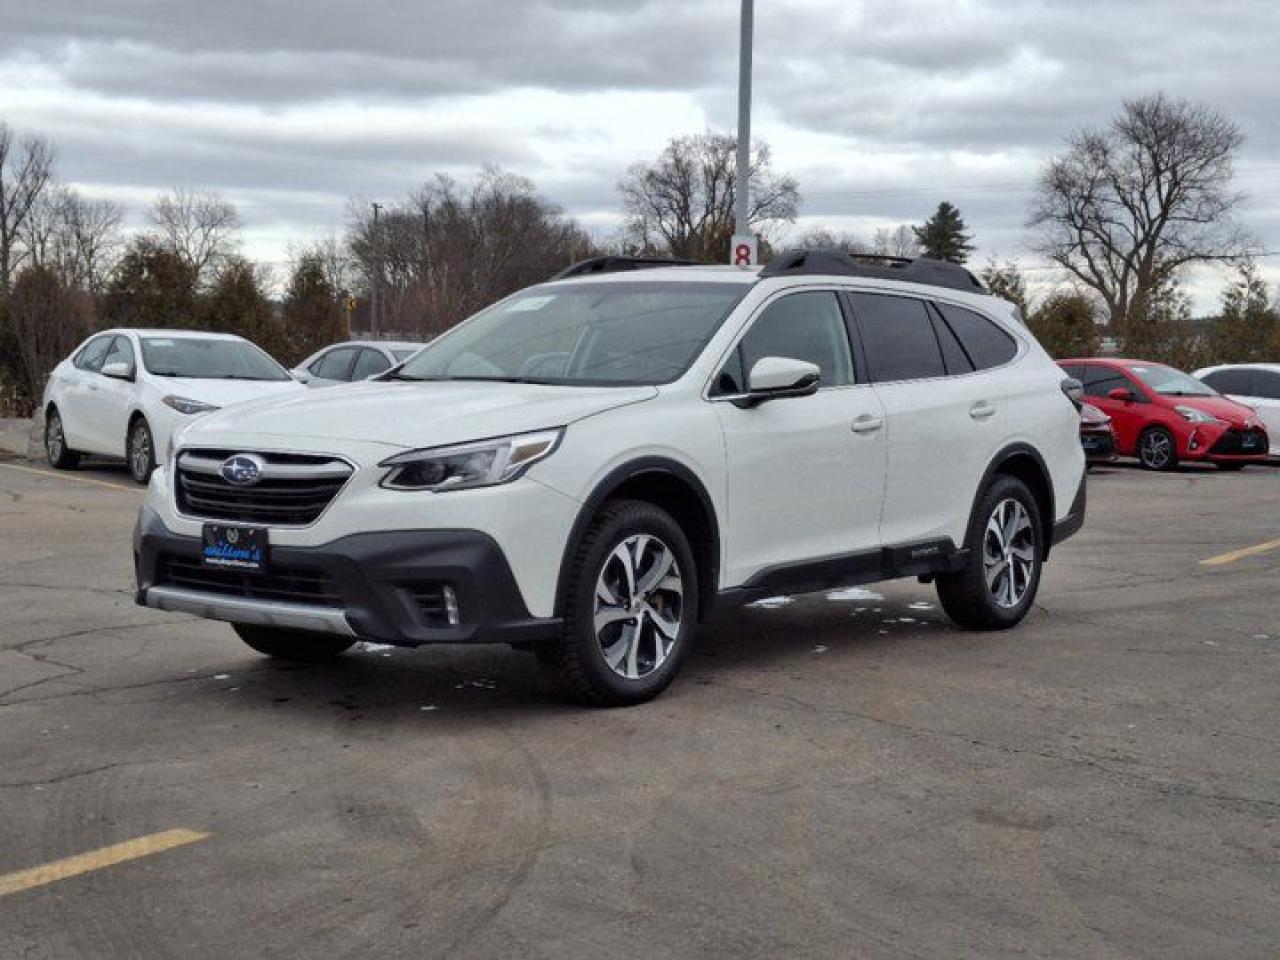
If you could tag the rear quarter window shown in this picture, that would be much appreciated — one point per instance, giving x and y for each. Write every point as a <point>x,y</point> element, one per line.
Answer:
<point>985,343</point>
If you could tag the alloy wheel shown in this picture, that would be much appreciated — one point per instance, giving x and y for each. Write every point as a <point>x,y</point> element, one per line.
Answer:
<point>1157,449</point>
<point>1009,553</point>
<point>639,606</point>
<point>54,442</point>
<point>140,451</point>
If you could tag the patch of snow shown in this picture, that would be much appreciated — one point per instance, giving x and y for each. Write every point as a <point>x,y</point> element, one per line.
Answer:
<point>772,603</point>
<point>854,593</point>
<point>429,707</point>
<point>222,676</point>
<point>921,605</point>
<point>375,647</point>
<point>819,649</point>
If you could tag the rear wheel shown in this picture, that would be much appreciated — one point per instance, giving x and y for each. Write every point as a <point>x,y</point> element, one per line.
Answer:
<point>1157,450</point>
<point>630,607</point>
<point>1001,574</point>
<point>61,457</point>
<point>292,644</point>
<point>140,451</point>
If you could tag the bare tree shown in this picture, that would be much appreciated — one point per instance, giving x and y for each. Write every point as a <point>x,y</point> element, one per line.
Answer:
<point>49,318</point>
<point>682,205</point>
<point>451,249</point>
<point>824,238</point>
<point>77,237</point>
<point>25,171</point>
<point>1128,206</point>
<point>199,226</point>
<point>899,242</point>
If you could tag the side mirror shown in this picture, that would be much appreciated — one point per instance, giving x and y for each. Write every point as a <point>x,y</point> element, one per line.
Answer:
<point>772,378</point>
<point>118,370</point>
<point>1122,393</point>
<point>301,375</point>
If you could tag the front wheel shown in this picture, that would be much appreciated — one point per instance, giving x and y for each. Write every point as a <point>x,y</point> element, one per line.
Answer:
<point>1001,573</point>
<point>630,607</point>
<point>292,644</point>
<point>1157,450</point>
<point>140,451</point>
<point>61,457</point>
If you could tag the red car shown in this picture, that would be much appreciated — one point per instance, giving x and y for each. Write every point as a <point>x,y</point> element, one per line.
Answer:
<point>1161,415</point>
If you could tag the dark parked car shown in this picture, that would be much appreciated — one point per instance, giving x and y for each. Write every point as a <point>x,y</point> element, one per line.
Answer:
<point>1096,436</point>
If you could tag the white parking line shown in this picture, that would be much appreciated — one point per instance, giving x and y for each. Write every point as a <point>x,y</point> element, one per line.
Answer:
<point>62,476</point>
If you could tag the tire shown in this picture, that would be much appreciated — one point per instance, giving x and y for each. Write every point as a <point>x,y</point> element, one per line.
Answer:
<point>630,607</point>
<point>1157,449</point>
<point>140,451</point>
<point>59,455</point>
<point>293,644</point>
<point>1230,466</point>
<point>1001,574</point>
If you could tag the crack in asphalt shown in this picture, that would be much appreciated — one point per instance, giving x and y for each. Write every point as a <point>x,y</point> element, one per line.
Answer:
<point>62,777</point>
<point>1094,763</point>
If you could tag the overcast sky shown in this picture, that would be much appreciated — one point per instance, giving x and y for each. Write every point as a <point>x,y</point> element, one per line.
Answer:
<point>880,109</point>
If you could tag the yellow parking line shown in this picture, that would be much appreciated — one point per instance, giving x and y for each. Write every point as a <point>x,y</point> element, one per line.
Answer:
<point>61,476</point>
<point>96,860</point>
<point>1240,554</point>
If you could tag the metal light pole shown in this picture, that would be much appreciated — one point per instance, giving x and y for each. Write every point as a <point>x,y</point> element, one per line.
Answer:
<point>742,249</point>
<point>377,272</point>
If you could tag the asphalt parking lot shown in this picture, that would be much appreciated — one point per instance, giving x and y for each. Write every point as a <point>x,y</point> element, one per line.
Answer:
<point>838,775</point>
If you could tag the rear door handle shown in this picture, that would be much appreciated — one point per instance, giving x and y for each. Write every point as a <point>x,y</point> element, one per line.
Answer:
<point>867,424</point>
<point>982,410</point>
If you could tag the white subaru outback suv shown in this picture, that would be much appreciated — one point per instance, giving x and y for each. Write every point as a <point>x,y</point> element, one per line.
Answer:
<point>588,468</point>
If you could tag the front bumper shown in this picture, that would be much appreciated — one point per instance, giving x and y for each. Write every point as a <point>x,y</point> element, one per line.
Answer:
<point>386,586</point>
<point>1099,444</point>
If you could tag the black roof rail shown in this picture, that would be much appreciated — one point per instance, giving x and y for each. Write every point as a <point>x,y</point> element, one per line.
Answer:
<point>619,264</point>
<point>937,273</point>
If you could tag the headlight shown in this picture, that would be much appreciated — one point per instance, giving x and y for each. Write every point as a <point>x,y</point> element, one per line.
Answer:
<point>187,405</point>
<point>1192,415</point>
<point>465,466</point>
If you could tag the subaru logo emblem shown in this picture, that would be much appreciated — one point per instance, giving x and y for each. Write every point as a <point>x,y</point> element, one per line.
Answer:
<point>242,470</point>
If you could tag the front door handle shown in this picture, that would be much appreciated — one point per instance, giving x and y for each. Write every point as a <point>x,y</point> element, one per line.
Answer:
<point>982,410</point>
<point>867,424</point>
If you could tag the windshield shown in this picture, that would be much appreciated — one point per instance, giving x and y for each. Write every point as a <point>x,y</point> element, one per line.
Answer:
<point>585,334</point>
<point>208,359</point>
<point>1169,382</point>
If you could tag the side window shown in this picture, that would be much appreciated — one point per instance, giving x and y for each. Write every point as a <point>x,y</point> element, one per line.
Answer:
<point>121,351</point>
<point>92,354</point>
<point>1266,385</point>
<point>801,326</point>
<point>1100,381</point>
<point>898,338</point>
<point>1075,370</point>
<point>1236,381</point>
<point>335,365</point>
<point>985,343</point>
<point>368,363</point>
<point>953,355</point>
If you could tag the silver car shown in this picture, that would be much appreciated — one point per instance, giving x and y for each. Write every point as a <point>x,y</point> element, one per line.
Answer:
<point>353,360</point>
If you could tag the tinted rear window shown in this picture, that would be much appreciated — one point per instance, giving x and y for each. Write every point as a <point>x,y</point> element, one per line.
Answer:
<point>1239,382</point>
<point>898,337</point>
<point>985,343</point>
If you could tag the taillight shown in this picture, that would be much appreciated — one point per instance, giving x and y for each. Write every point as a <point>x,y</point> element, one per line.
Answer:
<point>1074,391</point>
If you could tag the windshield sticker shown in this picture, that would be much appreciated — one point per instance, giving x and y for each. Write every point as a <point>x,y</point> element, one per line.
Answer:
<point>531,303</point>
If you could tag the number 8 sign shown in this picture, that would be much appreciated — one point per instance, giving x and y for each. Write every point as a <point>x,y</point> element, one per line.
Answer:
<point>742,250</point>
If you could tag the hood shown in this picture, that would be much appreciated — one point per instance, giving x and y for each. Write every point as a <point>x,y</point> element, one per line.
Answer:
<point>1236,414</point>
<point>410,415</point>
<point>225,393</point>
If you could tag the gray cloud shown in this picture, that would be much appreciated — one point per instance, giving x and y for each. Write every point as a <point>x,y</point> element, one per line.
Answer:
<point>879,109</point>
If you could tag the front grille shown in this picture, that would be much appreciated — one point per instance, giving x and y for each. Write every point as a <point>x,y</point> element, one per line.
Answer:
<point>290,584</point>
<point>1233,443</point>
<point>294,489</point>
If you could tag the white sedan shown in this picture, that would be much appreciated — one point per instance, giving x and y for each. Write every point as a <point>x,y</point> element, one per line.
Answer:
<point>1255,385</point>
<point>124,392</point>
